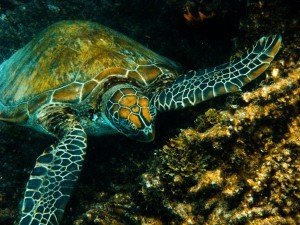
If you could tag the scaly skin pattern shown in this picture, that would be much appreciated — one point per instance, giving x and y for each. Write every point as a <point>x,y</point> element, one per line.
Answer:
<point>129,106</point>
<point>56,170</point>
<point>76,69</point>
<point>75,62</point>
<point>200,85</point>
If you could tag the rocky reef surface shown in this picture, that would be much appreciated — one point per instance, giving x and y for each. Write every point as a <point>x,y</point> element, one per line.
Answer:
<point>231,160</point>
<point>235,166</point>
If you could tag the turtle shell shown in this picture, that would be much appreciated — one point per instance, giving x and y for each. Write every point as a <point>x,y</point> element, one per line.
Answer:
<point>74,62</point>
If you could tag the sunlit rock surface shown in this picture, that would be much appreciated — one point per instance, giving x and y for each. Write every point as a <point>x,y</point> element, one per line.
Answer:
<point>232,160</point>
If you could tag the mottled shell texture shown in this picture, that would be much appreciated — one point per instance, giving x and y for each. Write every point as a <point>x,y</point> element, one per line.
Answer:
<point>73,62</point>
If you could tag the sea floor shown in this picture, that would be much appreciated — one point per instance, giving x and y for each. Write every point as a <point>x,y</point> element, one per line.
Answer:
<point>230,160</point>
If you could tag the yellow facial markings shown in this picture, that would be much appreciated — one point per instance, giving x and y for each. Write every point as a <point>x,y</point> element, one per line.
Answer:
<point>135,120</point>
<point>128,101</point>
<point>130,110</point>
<point>143,102</point>
<point>124,113</point>
<point>135,109</point>
<point>146,114</point>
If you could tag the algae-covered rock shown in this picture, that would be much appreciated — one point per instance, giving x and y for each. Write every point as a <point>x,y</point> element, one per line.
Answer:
<point>237,164</point>
<point>252,169</point>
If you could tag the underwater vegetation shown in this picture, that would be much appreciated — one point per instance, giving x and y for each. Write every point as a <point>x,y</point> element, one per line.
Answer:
<point>238,163</point>
<point>236,166</point>
<point>244,167</point>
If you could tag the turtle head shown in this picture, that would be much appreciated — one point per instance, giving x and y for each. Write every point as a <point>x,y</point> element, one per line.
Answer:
<point>130,113</point>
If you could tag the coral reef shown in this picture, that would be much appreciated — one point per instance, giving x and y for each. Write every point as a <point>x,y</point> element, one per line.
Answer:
<point>238,163</point>
<point>246,167</point>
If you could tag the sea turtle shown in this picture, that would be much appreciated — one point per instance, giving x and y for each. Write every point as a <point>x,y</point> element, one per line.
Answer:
<point>78,78</point>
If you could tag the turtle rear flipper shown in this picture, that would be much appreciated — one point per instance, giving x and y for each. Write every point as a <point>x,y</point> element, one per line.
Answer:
<point>200,85</point>
<point>56,170</point>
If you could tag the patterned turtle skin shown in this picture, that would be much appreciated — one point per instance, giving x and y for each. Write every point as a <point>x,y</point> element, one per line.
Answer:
<point>78,78</point>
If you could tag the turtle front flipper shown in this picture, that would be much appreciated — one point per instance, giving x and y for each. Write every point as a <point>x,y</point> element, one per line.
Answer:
<point>200,85</point>
<point>56,170</point>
